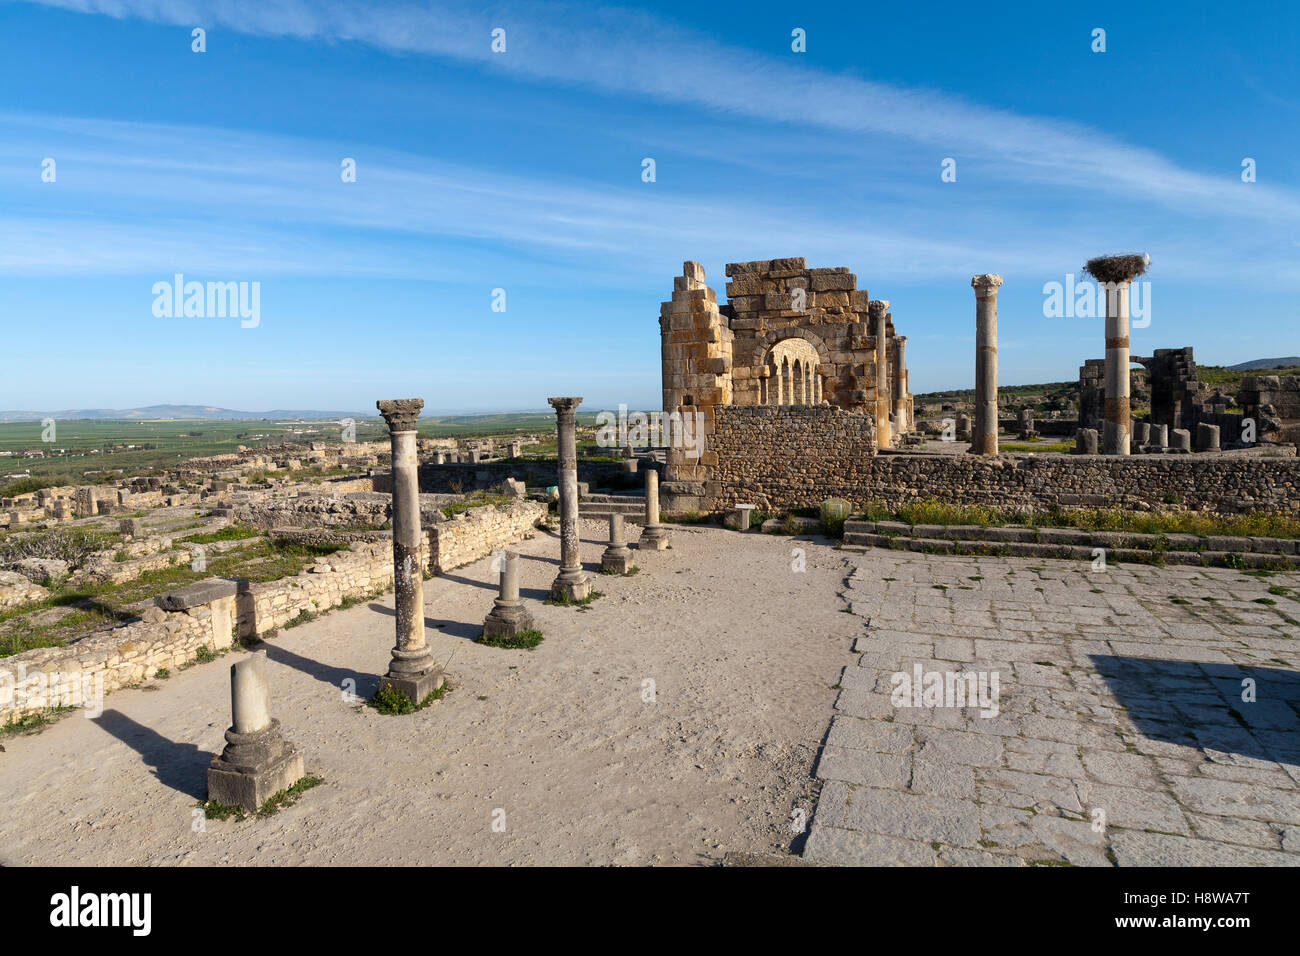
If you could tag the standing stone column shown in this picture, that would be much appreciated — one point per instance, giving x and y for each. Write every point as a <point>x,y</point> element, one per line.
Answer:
<point>508,615</point>
<point>1114,274</point>
<point>878,310</point>
<point>985,439</point>
<point>257,763</point>
<point>900,384</point>
<point>572,583</point>
<point>413,671</point>
<point>618,556</point>
<point>654,536</point>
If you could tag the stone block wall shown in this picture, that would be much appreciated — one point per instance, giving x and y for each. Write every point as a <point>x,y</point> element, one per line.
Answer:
<point>473,534</point>
<point>815,463</point>
<point>778,456</point>
<point>1274,402</point>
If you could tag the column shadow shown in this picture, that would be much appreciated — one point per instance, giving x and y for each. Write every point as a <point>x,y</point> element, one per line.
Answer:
<point>181,767</point>
<point>365,684</point>
<point>1200,705</point>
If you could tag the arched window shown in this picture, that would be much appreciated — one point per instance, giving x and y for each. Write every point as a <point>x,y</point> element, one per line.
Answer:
<point>795,363</point>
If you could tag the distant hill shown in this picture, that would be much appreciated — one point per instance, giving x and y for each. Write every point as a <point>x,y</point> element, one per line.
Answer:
<point>185,412</point>
<point>1259,364</point>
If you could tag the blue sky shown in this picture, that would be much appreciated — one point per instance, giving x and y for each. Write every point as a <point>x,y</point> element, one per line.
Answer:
<point>522,171</point>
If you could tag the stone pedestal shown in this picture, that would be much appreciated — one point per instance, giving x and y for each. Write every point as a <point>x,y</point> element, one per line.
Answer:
<point>740,516</point>
<point>654,536</point>
<point>1160,436</point>
<point>508,615</point>
<point>617,556</point>
<point>1141,433</point>
<point>1085,441</point>
<point>985,439</point>
<point>257,763</point>
<point>572,583</point>
<point>1180,441</point>
<point>1207,437</point>
<point>412,671</point>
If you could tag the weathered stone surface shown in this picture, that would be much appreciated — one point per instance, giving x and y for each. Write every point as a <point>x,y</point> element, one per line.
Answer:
<point>198,593</point>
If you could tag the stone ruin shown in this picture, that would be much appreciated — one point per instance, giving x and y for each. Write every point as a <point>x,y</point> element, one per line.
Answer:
<point>793,344</point>
<point>1180,402</point>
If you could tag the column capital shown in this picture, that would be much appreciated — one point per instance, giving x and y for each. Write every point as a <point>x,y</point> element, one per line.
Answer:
<point>565,407</point>
<point>878,308</point>
<point>986,285</point>
<point>400,413</point>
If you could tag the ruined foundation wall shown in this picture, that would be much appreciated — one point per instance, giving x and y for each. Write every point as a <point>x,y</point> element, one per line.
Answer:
<point>1225,484</point>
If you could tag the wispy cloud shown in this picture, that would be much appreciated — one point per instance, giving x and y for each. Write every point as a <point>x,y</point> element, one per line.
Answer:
<point>628,52</point>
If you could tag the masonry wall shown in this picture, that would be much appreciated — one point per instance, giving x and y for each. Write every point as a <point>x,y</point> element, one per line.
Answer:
<point>781,463</point>
<point>473,534</point>
<point>792,454</point>
<point>135,652</point>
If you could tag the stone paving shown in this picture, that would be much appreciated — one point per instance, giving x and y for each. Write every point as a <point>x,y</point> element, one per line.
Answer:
<point>1123,734</point>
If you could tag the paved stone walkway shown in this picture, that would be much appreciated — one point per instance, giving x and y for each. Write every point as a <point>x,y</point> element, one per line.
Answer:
<point>1121,735</point>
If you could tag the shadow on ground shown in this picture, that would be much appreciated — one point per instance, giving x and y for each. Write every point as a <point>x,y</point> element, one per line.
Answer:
<point>182,767</point>
<point>1209,706</point>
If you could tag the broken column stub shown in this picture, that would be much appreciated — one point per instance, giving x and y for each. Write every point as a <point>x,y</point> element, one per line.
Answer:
<point>617,556</point>
<point>654,536</point>
<point>508,616</point>
<point>257,762</point>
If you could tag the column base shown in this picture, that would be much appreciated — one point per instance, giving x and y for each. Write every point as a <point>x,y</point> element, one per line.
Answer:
<point>654,537</point>
<point>414,687</point>
<point>507,621</point>
<point>571,589</point>
<point>617,559</point>
<point>253,768</point>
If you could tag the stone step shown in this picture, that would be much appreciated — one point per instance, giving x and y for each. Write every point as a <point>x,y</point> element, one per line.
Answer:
<point>858,540</point>
<point>1074,537</point>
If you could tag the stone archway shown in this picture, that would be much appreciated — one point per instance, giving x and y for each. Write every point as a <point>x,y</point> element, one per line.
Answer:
<point>792,364</point>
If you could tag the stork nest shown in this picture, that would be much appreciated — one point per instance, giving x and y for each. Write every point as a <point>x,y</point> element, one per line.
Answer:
<point>1113,269</point>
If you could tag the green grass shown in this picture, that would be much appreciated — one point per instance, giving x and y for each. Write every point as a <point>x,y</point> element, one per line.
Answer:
<point>566,602</point>
<point>99,605</point>
<point>35,721</point>
<point>477,499</point>
<point>524,640</point>
<point>388,700</point>
<point>287,797</point>
<point>233,532</point>
<point>1045,446</point>
<point>1087,519</point>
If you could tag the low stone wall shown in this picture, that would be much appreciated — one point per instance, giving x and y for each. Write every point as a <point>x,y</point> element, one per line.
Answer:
<point>167,638</point>
<point>1223,484</point>
<point>365,568</point>
<point>784,458</point>
<point>79,674</point>
<point>472,534</point>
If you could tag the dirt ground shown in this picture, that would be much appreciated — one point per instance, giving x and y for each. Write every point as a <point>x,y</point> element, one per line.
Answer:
<point>558,742</point>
